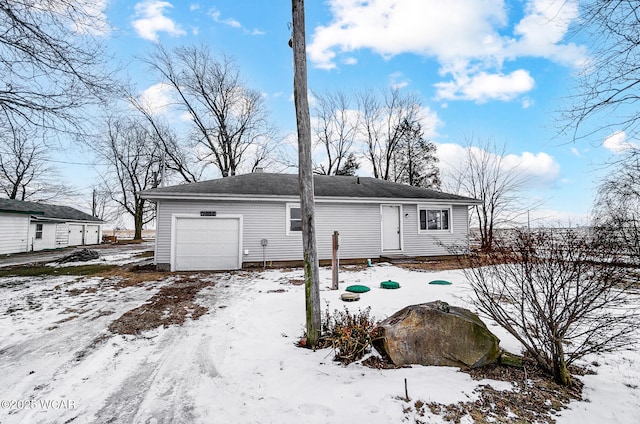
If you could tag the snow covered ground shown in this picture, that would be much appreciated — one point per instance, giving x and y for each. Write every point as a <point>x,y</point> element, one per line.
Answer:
<point>238,362</point>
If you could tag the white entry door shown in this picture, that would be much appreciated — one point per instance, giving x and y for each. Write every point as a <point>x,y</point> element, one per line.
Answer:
<point>207,244</point>
<point>391,227</point>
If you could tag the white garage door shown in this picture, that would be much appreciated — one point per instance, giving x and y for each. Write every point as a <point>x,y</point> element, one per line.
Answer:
<point>207,243</point>
<point>76,234</point>
<point>91,235</point>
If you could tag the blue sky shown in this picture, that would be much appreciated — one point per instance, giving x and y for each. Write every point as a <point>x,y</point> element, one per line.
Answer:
<point>486,69</point>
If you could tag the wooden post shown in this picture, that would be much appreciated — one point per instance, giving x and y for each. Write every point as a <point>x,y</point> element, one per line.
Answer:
<point>305,176</point>
<point>335,265</point>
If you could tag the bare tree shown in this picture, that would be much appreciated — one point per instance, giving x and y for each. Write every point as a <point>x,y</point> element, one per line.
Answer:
<point>51,60</point>
<point>558,294</point>
<point>178,157</point>
<point>485,176</point>
<point>336,130</point>
<point>305,176</point>
<point>381,126</point>
<point>24,169</point>
<point>102,206</point>
<point>609,86</point>
<point>230,121</point>
<point>416,162</point>
<point>616,215</point>
<point>134,157</point>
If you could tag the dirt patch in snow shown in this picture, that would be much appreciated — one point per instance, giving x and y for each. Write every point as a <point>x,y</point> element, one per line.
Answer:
<point>171,305</point>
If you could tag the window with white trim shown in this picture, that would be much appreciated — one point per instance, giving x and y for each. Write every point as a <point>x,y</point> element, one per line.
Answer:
<point>39,231</point>
<point>294,218</point>
<point>434,219</point>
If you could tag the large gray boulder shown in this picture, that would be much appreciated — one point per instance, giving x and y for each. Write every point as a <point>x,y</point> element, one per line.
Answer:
<point>435,333</point>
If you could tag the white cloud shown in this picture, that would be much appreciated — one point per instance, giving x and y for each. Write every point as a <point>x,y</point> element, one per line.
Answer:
<point>391,27</point>
<point>618,143</point>
<point>538,170</point>
<point>216,15</point>
<point>398,80</point>
<point>157,98</point>
<point>470,39</point>
<point>98,24</point>
<point>150,20</point>
<point>541,31</point>
<point>483,87</point>
<point>430,122</point>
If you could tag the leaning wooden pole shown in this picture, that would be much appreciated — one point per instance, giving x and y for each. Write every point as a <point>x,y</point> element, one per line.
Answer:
<point>305,176</point>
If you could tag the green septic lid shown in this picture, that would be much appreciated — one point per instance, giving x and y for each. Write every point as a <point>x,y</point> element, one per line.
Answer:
<point>357,289</point>
<point>440,282</point>
<point>390,284</point>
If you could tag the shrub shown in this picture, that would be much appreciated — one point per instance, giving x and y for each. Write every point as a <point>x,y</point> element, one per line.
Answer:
<point>557,293</point>
<point>349,334</point>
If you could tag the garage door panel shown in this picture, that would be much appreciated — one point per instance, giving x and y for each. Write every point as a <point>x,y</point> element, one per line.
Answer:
<point>207,243</point>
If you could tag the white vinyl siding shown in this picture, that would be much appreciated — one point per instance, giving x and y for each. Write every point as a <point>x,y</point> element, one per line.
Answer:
<point>47,239</point>
<point>14,233</point>
<point>435,243</point>
<point>62,235</point>
<point>359,225</point>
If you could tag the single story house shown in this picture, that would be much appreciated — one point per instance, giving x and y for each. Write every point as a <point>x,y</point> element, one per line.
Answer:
<point>237,221</point>
<point>31,226</point>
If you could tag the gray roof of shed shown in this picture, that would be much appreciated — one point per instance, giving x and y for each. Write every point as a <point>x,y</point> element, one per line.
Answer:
<point>43,210</point>
<point>266,184</point>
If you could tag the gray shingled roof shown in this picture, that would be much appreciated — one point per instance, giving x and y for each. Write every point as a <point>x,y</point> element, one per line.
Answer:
<point>267,184</point>
<point>46,211</point>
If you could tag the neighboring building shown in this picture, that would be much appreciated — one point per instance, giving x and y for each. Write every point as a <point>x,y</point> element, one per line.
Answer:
<point>31,226</point>
<point>250,219</point>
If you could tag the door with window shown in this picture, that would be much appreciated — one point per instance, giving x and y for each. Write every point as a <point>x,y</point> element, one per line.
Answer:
<point>391,228</point>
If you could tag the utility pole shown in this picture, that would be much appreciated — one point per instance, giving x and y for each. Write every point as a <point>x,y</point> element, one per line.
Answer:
<point>305,176</point>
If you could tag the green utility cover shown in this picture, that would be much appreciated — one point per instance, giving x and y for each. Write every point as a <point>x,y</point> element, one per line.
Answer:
<point>440,282</point>
<point>350,297</point>
<point>390,284</point>
<point>357,289</point>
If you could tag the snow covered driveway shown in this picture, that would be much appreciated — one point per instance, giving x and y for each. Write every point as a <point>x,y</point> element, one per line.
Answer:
<point>237,362</point>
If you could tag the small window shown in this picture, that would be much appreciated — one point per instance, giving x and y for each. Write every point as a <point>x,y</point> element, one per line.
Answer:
<point>38,231</point>
<point>434,219</point>
<point>295,218</point>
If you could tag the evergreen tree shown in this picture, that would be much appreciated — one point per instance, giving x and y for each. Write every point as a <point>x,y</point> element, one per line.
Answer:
<point>416,161</point>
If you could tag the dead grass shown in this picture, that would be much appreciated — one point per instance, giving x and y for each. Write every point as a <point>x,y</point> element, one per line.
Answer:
<point>535,397</point>
<point>172,305</point>
<point>36,271</point>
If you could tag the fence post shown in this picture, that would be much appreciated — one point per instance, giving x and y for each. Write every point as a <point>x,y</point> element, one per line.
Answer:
<point>334,261</point>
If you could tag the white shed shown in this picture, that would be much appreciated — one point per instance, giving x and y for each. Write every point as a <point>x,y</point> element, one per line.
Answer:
<point>31,226</point>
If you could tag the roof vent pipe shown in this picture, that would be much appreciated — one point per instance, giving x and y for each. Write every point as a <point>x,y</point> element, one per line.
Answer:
<point>258,170</point>
<point>357,180</point>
